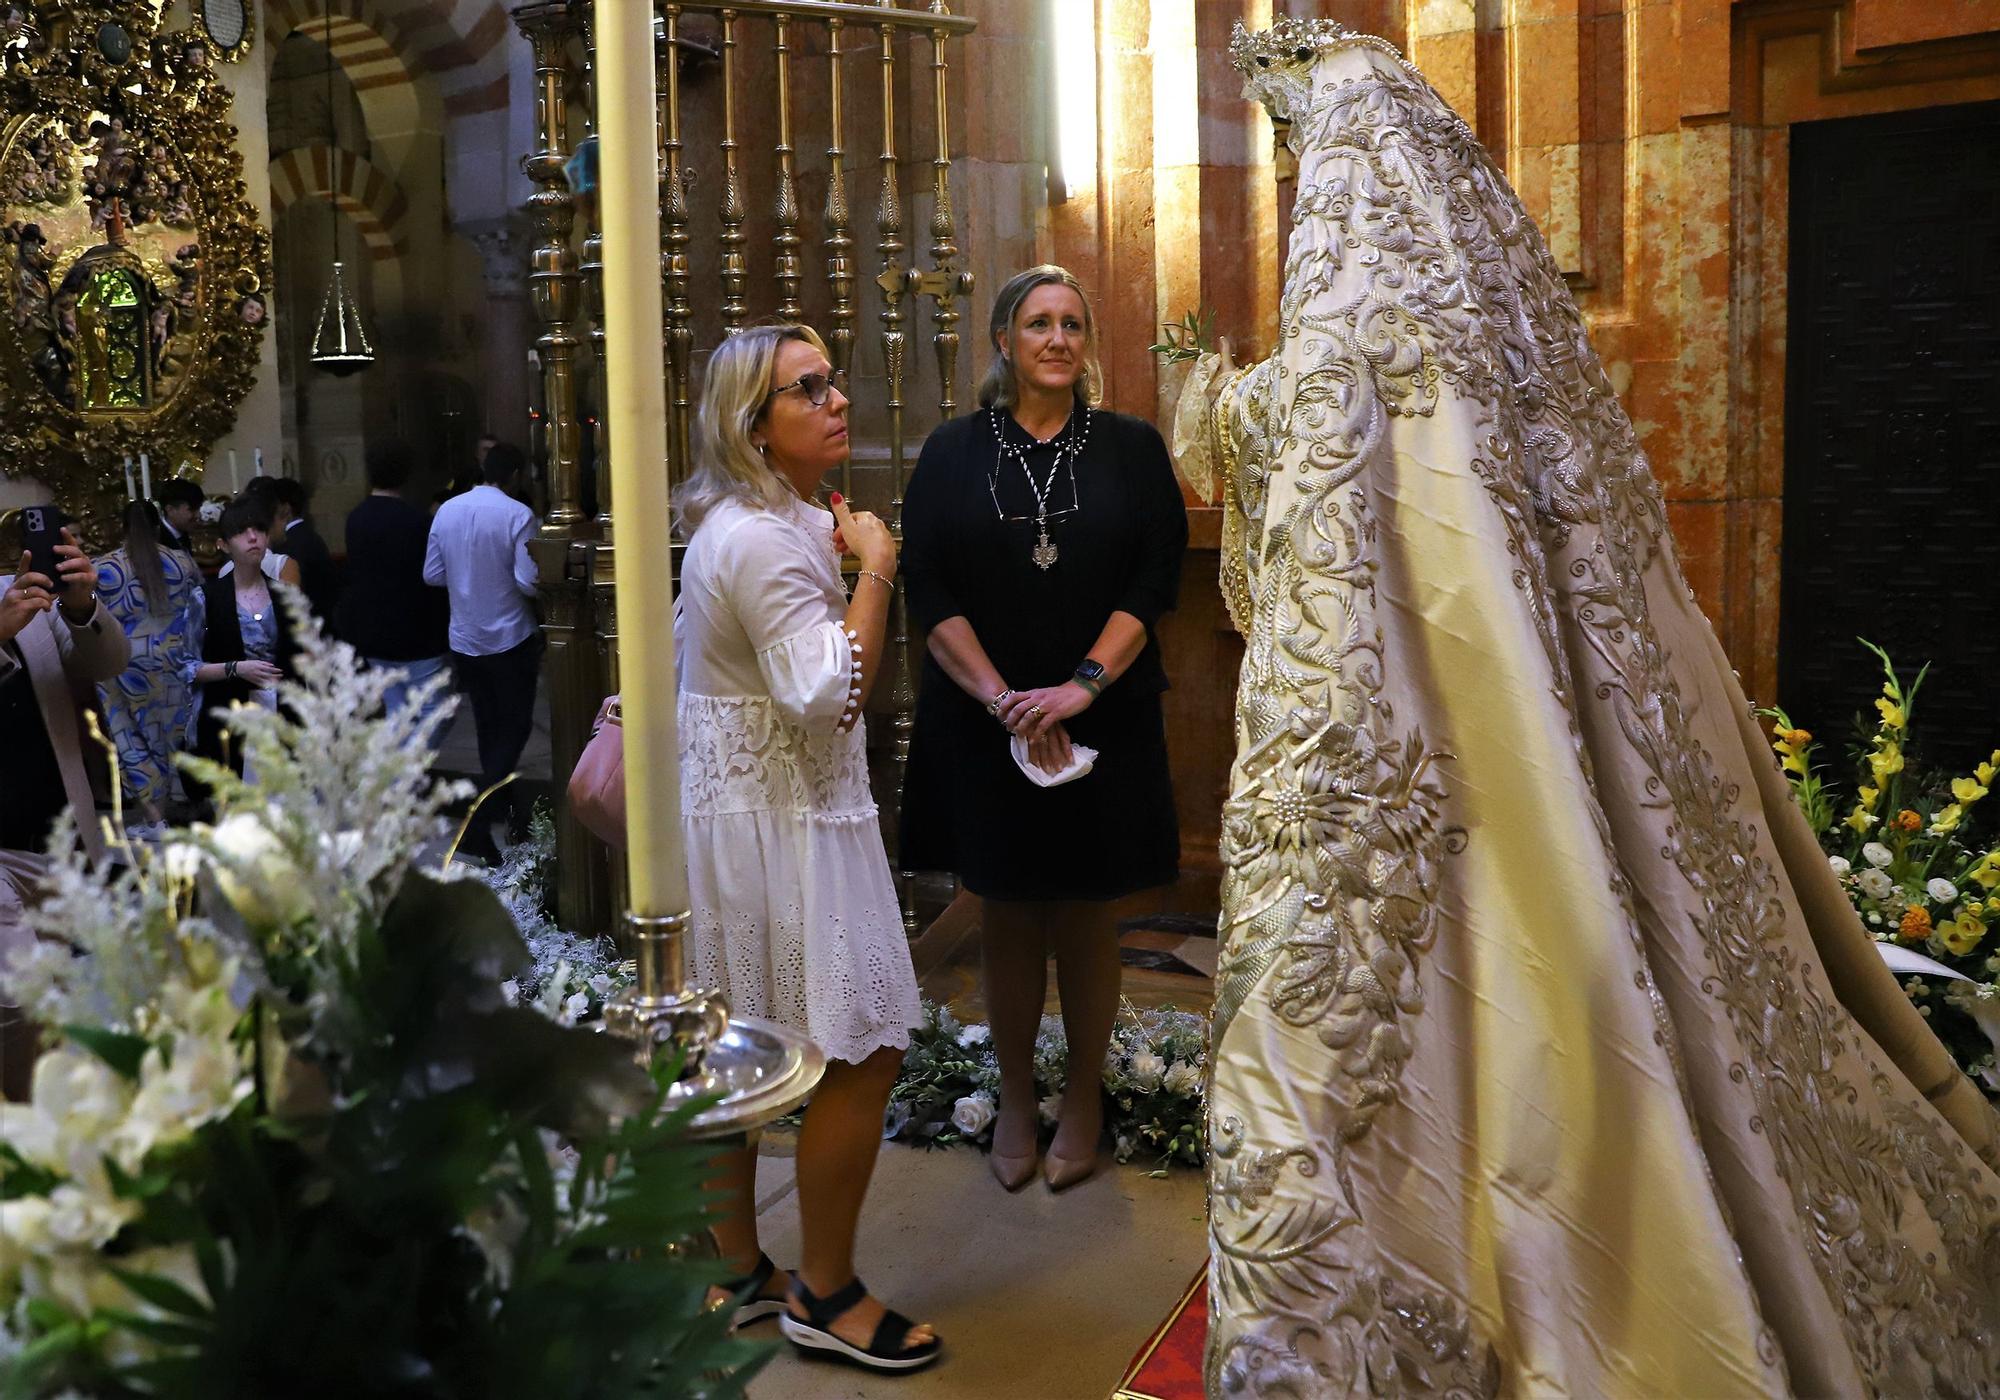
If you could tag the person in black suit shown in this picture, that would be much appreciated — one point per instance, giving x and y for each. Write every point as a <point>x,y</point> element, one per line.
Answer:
<point>387,612</point>
<point>179,501</point>
<point>293,532</point>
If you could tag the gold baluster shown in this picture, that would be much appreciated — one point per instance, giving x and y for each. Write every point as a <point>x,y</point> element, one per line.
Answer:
<point>732,237</point>
<point>943,282</point>
<point>786,264</point>
<point>552,279</point>
<point>892,281</point>
<point>591,268</point>
<point>839,242</point>
<point>680,330</point>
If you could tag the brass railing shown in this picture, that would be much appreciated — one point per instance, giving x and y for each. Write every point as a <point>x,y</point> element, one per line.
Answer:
<point>576,554</point>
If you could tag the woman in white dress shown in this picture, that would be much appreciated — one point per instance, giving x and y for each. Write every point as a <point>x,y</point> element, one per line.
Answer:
<point>795,915</point>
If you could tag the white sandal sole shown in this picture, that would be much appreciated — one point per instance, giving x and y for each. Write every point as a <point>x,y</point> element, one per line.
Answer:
<point>809,1338</point>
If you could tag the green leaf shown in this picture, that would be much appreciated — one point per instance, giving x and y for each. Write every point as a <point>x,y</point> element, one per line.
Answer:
<point>124,1053</point>
<point>162,1292</point>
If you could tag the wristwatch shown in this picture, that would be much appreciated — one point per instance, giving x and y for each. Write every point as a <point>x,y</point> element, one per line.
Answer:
<point>1090,675</point>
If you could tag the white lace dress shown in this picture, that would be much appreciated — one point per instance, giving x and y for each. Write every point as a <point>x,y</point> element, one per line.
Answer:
<point>795,915</point>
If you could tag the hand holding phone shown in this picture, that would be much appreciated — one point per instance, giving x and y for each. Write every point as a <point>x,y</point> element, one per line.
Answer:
<point>41,532</point>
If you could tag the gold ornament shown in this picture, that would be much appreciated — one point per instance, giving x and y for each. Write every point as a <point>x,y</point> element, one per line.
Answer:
<point>135,270</point>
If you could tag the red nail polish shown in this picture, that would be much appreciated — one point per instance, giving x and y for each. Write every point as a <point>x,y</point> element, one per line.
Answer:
<point>836,498</point>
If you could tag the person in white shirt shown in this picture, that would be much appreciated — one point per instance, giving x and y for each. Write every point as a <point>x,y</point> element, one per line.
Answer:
<point>478,552</point>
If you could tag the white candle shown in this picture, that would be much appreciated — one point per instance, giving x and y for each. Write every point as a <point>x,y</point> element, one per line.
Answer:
<point>636,401</point>
<point>145,477</point>
<point>128,478</point>
<point>235,485</point>
<point>257,460</point>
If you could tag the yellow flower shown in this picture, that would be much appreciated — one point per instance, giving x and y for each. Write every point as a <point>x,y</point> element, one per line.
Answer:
<point>1869,797</point>
<point>1892,713</point>
<point>1967,790</point>
<point>1916,923</point>
<point>1987,873</point>
<point>1860,821</point>
<point>1962,934</point>
<point>1985,774</point>
<point>1794,763</point>
<point>1947,820</point>
<point>1885,763</point>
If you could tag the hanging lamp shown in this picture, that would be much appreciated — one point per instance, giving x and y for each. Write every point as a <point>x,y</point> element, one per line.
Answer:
<point>340,346</point>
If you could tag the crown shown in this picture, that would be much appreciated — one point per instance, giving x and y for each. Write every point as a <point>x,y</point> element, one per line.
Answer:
<point>1289,40</point>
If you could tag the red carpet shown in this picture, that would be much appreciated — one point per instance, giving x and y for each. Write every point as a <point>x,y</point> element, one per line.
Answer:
<point>1168,1366</point>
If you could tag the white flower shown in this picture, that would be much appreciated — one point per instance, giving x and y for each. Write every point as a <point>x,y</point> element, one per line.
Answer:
<point>181,860</point>
<point>80,1220</point>
<point>1147,1071</point>
<point>205,1081</point>
<point>257,876</point>
<point>1875,883</point>
<point>1877,854</point>
<point>1051,1109</point>
<point>973,1114</point>
<point>578,1003</point>
<point>1183,1078</point>
<point>210,512</point>
<point>1941,889</point>
<point>1838,864</point>
<point>974,1034</point>
<point>601,984</point>
<point>511,991</point>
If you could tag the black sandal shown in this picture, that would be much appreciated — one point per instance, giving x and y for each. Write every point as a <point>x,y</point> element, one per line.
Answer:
<point>885,1352</point>
<point>750,1287</point>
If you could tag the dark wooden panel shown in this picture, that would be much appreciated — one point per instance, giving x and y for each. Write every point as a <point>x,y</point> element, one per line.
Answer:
<point>1892,421</point>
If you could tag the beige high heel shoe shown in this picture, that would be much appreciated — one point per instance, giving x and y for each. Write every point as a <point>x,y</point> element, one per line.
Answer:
<point>1061,1173</point>
<point>1013,1169</point>
<point>1011,1172</point>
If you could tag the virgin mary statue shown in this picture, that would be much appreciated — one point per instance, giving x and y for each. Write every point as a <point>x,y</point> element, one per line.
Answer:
<point>1549,1058</point>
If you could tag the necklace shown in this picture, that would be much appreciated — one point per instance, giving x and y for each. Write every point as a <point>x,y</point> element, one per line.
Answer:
<point>1069,446</point>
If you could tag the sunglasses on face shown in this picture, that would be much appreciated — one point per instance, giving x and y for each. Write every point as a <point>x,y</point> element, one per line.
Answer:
<point>818,387</point>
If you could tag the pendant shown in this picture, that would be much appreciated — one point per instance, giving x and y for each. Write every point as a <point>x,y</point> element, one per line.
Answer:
<point>1044,553</point>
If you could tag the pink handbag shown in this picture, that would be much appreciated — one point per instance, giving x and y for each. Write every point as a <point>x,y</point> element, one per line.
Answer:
<point>597,787</point>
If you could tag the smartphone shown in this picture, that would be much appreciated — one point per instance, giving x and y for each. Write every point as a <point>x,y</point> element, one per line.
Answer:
<point>41,532</point>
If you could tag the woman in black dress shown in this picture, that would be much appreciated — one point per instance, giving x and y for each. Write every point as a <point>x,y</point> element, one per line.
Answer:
<point>1042,542</point>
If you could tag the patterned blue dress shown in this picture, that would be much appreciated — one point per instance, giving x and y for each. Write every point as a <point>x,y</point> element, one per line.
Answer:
<point>150,708</point>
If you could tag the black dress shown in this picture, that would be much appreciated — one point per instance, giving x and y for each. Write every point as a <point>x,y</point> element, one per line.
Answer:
<point>1119,533</point>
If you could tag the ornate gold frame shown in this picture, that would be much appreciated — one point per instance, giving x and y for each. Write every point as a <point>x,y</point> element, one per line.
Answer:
<point>166,177</point>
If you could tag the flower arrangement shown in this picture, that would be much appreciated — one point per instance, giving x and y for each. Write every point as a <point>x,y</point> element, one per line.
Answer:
<point>292,1138</point>
<point>949,1088</point>
<point>1915,852</point>
<point>571,975</point>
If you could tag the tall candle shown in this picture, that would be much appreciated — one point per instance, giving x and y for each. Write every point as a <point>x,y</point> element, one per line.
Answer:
<point>636,398</point>
<point>257,460</point>
<point>235,484</point>
<point>145,477</point>
<point>128,478</point>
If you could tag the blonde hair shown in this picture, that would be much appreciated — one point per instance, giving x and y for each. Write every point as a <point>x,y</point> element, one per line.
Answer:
<point>727,465</point>
<point>997,389</point>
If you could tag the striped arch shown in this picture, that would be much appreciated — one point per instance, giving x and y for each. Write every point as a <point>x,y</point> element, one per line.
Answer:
<point>359,190</point>
<point>372,52</point>
<point>461,44</point>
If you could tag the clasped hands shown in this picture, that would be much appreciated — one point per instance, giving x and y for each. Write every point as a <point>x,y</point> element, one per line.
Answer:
<point>75,587</point>
<point>1038,715</point>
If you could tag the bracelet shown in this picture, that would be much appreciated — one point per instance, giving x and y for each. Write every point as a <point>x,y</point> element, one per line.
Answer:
<point>1091,688</point>
<point>870,573</point>
<point>993,705</point>
<point>229,670</point>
